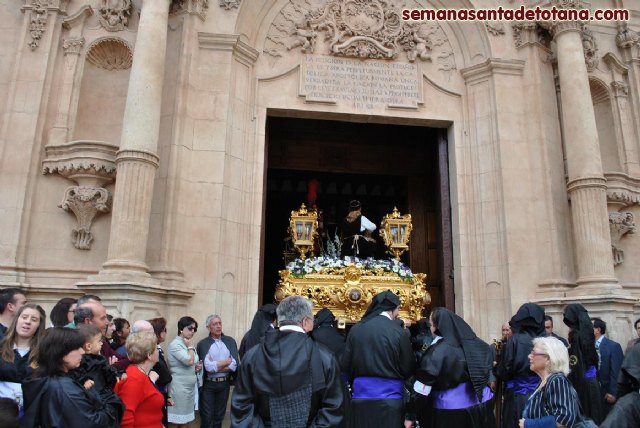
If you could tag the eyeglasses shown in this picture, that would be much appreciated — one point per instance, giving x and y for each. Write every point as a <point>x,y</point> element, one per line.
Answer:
<point>192,328</point>
<point>539,354</point>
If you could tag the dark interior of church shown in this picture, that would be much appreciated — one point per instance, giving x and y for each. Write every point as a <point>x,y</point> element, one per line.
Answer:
<point>381,165</point>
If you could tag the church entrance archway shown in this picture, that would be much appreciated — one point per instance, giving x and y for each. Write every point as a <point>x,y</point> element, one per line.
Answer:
<point>382,166</point>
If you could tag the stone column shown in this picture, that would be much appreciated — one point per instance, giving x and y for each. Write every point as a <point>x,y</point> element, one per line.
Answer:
<point>587,185</point>
<point>137,159</point>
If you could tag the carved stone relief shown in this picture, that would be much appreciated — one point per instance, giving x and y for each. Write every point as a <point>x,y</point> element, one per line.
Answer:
<point>622,198</point>
<point>590,49</point>
<point>620,89</point>
<point>110,53</point>
<point>495,27</point>
<point>191,7</point>
<point>229,4</point>
<point>627,38</point>
<point>91,165</point>
<point>114,14</point>
<point>530,32</point>
<point>365,29</point>
<point>620,224</point>
<point>85,202</point>
<point>39,17</point>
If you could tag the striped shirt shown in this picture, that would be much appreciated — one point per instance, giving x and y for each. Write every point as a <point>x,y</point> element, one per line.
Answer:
<point>556,398</point>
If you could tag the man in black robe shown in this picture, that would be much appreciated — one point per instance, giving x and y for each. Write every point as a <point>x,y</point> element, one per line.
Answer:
<point>626,411</point>
<point>378,359</point>
<point>513,364</point>
<point>288,380</point>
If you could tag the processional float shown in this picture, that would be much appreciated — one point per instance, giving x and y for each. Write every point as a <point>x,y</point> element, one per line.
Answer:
<point>346,285</point>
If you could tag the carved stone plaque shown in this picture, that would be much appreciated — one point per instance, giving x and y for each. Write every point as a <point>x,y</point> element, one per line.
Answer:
<point>360,84</point>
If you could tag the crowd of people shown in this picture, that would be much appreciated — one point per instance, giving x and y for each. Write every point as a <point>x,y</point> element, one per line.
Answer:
<point>83,368</point>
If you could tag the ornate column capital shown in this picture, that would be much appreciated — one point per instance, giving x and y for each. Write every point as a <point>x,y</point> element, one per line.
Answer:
<point>90,164</point>
<point>86,203</point>
<point>620,89</point>
<point>620,224</point>
<point>72,45</point>
<point>530,33</point>
<point>229,4</point>
<point>569,4</point>
<point>191,7</point>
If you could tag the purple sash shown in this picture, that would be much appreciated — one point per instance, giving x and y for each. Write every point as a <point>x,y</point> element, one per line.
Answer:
<point>590,373</point>
<point>377,388</point>
<point>523,385</point>
<point>459,397</point>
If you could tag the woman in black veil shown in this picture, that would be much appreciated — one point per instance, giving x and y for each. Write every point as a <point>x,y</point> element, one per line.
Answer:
<point>583,360</point>
<point>454,374</point>
<point>513,364</point>
<point>263,320</point>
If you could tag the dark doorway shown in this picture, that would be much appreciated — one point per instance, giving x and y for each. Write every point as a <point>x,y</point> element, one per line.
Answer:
<point>380,165</point>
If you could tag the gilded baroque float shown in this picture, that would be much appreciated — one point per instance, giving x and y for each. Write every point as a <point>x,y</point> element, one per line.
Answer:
<point>346,286</point>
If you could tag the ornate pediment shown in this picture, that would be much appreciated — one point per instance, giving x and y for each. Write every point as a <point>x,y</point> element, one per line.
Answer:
<point>365,29</point>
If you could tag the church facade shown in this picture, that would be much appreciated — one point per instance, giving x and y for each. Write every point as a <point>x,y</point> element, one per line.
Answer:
<point>137,136</point>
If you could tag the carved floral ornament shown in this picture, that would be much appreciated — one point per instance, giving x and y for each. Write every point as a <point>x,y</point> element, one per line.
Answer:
<point>366,29</point>
<point>91,165</point>
<point>39,17</point>
<point>620,224</point>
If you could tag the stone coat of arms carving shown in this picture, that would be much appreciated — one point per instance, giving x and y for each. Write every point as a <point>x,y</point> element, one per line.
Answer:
<point>365,29</point>
<point>114,14</point>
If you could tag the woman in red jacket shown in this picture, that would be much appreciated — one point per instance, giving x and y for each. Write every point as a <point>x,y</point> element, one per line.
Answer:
<point>142,400</point>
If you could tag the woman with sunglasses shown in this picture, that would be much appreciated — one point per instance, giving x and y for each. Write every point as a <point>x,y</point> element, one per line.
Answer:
<point>164,374</point>
<point>183,360</point>
<point>554,403</point>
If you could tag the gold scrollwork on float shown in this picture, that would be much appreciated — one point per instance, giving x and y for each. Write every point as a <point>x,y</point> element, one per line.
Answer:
<point>348,291</point>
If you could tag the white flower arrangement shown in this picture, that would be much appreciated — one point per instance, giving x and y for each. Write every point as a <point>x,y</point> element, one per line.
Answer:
<point>300,268</point>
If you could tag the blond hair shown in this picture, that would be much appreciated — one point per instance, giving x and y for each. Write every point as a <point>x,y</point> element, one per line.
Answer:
<point>140,345</point>
<point>557,352</point>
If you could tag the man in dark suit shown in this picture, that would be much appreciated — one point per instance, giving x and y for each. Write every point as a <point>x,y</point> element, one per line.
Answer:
<point>610,356</point>
<point>548,328</point>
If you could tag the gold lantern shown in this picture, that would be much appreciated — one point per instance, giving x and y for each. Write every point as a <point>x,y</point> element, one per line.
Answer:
<point>395,229</point>
<point>303,226</point>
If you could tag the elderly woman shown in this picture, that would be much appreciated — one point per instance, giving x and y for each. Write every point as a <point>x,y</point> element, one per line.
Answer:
<point>19,350</point>
<point>52,398</point>
<point>554,402</point>
<point>454,374</point>
<point>142,400</point>
<point>584,360</point>
<point>183,360</point>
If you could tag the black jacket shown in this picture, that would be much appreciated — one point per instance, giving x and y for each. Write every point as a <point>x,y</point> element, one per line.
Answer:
<point>287,362</point>
<point>17,371</point>
<point>61,402</point>
<point>97,369</point>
